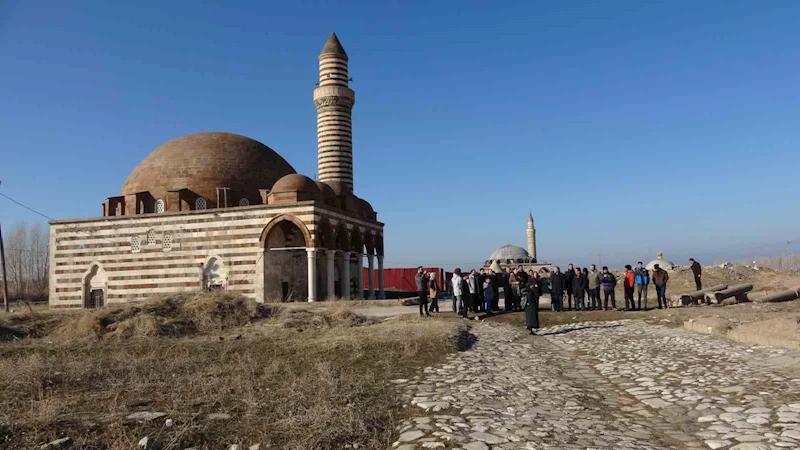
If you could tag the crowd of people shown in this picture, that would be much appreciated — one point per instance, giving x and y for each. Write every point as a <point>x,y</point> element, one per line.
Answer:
<point>584,289</point>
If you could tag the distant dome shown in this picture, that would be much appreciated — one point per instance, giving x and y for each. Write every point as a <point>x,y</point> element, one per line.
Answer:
<point>662,263</point>
<point>202,162</point>
<point>509,252</point>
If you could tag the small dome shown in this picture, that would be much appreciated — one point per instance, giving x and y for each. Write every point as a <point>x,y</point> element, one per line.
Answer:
<point>509,252</point>
<point>365,207</point>
<point>295,183</point>
<point>202,162</point>
<point>326,190</point>
<point>662,263</point>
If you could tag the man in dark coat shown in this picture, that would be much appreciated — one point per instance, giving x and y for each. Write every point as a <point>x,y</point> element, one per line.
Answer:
<point>532,292</point>
<point>505,281</point>
<point>421,278</point>
<point>609,282</point>
<point>496,279</point>
<point>479,305</point>
<point>660,278</point>
<point>578,280</point>
<point>558,284</point>
<point>698,272</point>
<point>569,275</point>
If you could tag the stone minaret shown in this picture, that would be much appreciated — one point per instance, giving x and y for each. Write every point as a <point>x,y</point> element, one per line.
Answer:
<point>334,101</point>
<point>531,232</point>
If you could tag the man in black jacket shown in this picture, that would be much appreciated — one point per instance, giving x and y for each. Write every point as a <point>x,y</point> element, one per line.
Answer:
<point>421,278</point>
<point>569,276</point>
<point>480,305</point>
<point>698,272</point>
<point>558,284</point>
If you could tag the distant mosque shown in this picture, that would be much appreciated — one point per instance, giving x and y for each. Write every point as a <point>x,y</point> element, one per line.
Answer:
<point>514,256</point>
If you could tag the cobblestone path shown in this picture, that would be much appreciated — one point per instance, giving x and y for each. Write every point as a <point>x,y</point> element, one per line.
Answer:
<point>618,385</point>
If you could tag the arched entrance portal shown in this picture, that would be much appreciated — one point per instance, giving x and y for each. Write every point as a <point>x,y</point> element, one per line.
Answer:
<point>286,240</point>
<point>95,287</point>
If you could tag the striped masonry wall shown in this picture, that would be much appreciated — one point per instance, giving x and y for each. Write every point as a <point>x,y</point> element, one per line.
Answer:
<point>232,235</point>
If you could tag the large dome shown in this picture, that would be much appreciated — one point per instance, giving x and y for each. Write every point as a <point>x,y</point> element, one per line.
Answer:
<point>202,162</point>
<point>509,252</point>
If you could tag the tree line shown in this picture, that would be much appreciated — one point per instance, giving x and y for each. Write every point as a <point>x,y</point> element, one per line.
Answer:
<point>27,249</point>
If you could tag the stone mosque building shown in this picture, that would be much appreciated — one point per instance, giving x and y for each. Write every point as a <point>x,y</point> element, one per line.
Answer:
<point>513,256</point>
<point>223,211</point>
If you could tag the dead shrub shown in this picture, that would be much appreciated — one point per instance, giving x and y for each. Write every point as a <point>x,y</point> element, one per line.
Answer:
<point>320,389</point>
<point>168,315</point>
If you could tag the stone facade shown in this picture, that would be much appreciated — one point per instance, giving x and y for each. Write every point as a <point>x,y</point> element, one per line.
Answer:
<point>222,211</point>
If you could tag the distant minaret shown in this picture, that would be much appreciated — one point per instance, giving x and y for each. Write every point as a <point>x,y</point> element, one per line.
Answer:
<point>334,101</point>
<point>531,231</point>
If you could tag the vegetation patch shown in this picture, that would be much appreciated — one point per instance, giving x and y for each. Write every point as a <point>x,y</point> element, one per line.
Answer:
<point>311,377</point>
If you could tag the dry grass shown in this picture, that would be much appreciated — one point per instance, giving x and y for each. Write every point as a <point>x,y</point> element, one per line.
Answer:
<point>315,378</point>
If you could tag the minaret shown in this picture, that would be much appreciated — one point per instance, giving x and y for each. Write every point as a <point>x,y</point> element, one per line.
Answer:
<point>334,101</point>
<point>531,232</point>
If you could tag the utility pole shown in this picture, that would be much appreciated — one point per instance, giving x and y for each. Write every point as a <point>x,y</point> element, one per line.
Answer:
<point>5,279</point>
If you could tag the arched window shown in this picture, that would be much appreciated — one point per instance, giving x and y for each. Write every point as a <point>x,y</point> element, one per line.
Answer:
<point>151,237</point>
<point>135,244</point>
<point>244,202</point>
<point>167,242</point>
<point>200,203</point>
<point>118,210</point>
<point>160,206</point>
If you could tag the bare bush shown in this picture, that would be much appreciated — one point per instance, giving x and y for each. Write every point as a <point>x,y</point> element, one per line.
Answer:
<point>285,387</point>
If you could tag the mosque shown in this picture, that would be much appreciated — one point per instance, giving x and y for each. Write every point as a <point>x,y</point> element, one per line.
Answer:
<point>223,211</point>
<point>513,256</point>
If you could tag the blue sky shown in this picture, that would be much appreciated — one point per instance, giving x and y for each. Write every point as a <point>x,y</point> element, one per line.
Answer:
<point>626,127</point>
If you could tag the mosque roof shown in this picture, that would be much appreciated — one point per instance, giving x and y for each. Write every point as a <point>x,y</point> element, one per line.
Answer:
<point>202,162</point>
<point>509,252</point>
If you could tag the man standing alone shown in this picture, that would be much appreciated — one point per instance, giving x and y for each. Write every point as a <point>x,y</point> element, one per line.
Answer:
<point>660,278</point>
<point>421,278</point>
<point>642,280</point>
<point>697,271</point>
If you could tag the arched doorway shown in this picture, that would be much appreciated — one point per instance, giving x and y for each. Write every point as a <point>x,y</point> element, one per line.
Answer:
<point>95,287</point>
<point>286,240</point>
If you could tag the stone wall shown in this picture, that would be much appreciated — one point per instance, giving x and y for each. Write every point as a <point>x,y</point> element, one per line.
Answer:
<point>172,248</point>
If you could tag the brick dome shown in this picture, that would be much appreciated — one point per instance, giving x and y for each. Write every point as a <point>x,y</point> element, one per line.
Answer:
<point>202,162</point>
<point>296,183</point>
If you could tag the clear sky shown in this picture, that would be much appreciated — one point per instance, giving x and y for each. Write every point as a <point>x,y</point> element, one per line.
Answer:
<point>626,127</point>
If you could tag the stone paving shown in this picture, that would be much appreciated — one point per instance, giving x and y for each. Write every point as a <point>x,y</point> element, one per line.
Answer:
<point>620,385</point>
